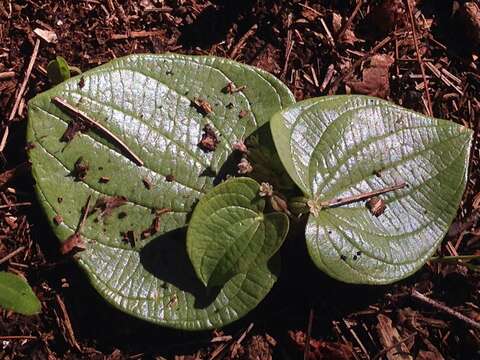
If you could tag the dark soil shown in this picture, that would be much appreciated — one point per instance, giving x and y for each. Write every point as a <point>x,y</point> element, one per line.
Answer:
<point>308,45</point>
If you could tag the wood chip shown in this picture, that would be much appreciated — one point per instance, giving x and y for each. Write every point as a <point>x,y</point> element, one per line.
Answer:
<point>47,35</point>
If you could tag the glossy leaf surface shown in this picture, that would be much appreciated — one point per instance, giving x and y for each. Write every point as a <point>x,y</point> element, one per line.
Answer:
<point>342,146</point>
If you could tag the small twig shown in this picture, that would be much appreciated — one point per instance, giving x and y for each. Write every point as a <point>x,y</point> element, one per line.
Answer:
<point>387,349</point>
<point>70,335</point>
<point>25,80</point>
<point>306,352</point>
<point>360,197</point>
<point>419,58</point>
<point>18,337</point>
<point>7,75</point>
<point>12,254</point>
<point>350,20</point>
<point>64,105</point>
<point>86,211</point>
<point>8,206</point>
<point>137,34</point>
<point>243,40</point>
<point>3,142</point>
<point>419,296</point>
<point>330,38</point>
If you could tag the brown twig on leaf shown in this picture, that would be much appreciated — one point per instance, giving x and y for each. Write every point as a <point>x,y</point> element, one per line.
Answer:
<point>64,105</point>
<point>364,196</point>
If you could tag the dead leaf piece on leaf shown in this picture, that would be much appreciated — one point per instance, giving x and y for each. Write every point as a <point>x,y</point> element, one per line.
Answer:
<point>376,206</point>
<point>74,127</point>
<point>209,139</point>
<point>242,114</point>
<point>155,227</point>
<point>58,219</point>
<point>73,244</point>
<point>230,88</point>
<point>321,350</point>
<point>80,169</point>
<point>389,337</point>
<point>375,77</point>
<point>107,204</point>
<point>202,106</point>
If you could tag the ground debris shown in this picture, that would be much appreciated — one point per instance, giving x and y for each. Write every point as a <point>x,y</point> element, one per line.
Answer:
<point>321,350</point>
<point>202,106</point>
<point>391,340</point>
<point>106,205</point>
<point>375,77</point>
<point>209,140</point>
<point>73,128</point>
<point>80,169</point>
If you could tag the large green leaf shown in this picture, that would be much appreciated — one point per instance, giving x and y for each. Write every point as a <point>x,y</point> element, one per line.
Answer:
<point>348,145</point>
<point>148,102</point>
<point>229,234</point>
<point>17,295</point>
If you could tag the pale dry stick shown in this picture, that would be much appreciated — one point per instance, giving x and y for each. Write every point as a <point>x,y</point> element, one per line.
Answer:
<point>18,337</point>
<point>419,296</point>
<point>137,35</point>
<point>350,20</point>
<point>356,198</point>
<point>3,142</point>
<point>8,206</point>
<point>68,324</point>
<point>12,254</point>
<point>243,40</point>
<point>327,32</point>
<point>25,80</point>
<point>357,339</point>
<point>401,341</point>
<point>419,58</point>
<point>64,105</point>
<point>7,75</point>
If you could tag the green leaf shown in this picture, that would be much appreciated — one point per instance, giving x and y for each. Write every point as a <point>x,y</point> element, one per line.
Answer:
<point>348,145</point>
<point>229,234</point>
<point>58,70</point>
<point>17,295</point>
<point>147,102</point>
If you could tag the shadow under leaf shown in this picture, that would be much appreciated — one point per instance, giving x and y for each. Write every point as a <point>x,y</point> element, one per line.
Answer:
<point>166,258</point>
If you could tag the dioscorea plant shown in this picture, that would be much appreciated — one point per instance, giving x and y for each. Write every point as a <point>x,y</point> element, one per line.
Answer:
<point>137,167</point>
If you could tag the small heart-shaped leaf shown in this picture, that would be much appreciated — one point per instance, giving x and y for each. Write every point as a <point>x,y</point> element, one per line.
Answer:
<point>17,295</point>
<point>179,115</point>
<point>343,146</point>
<point>229,234</point>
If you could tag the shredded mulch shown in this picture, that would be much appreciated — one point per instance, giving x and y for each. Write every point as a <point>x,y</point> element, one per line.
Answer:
<point>317,48</point>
